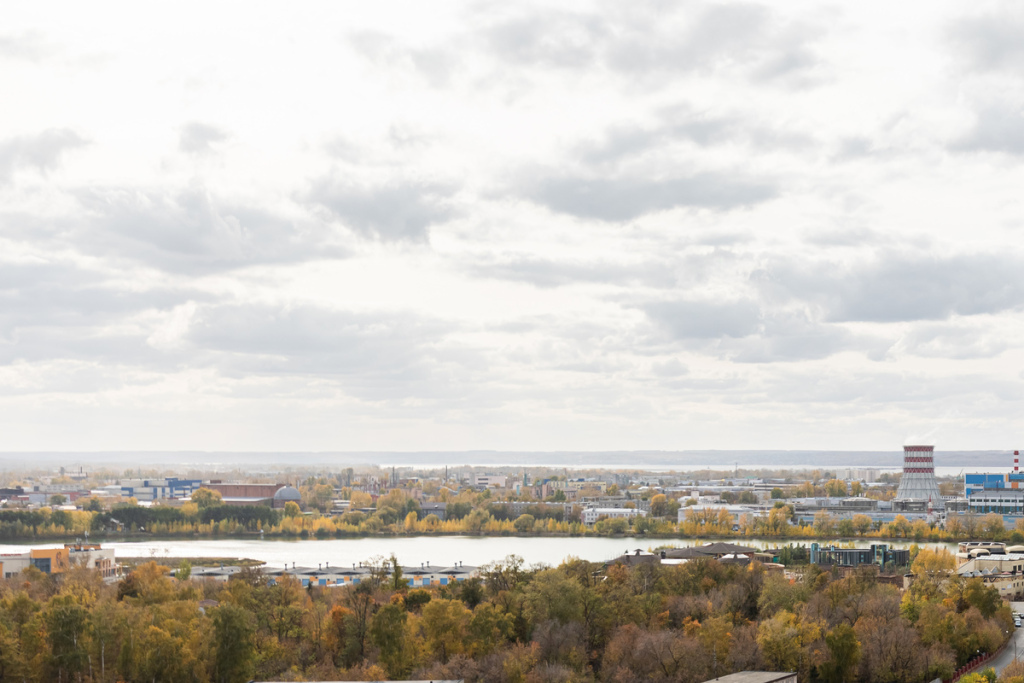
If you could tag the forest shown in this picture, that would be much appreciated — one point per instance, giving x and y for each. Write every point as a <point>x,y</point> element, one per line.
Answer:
<point>576,622</point>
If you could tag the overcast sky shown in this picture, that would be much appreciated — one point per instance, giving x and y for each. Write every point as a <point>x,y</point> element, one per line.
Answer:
<point>431,226</point>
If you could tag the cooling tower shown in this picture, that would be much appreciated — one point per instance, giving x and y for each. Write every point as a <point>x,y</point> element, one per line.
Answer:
<point>918,481</point>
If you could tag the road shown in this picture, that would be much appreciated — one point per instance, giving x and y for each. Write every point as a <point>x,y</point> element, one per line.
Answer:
<point>1007,655</point>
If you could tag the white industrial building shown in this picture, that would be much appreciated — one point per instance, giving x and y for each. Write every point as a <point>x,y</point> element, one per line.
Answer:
<point>591,515</point>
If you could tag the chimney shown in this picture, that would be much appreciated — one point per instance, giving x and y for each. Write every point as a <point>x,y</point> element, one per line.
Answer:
<point>1016,462</point>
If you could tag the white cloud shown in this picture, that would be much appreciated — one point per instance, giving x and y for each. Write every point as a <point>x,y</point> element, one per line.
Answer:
<point>484,225</point>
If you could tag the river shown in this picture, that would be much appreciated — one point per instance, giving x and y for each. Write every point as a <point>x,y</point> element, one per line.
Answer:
<point>413,550</point>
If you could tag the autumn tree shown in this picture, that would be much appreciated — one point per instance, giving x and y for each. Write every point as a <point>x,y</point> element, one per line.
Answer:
<point>233,637</point>
<point>205,498</point>
<point>388,633</point>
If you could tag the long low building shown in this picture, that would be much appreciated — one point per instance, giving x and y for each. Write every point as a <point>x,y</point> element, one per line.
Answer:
<point>1001,501</point>
<point>341,576</point>
<point>591,515</point>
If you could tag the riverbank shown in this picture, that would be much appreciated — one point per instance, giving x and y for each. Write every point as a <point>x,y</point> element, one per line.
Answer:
<point>137,536</point>
<point>412,550</point>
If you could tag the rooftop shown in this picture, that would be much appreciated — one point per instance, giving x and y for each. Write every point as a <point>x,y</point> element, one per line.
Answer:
<point>757,677</point>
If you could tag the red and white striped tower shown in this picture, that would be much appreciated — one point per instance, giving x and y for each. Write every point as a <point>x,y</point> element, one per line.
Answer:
<point>1016,462</point>
<point>918,480</point>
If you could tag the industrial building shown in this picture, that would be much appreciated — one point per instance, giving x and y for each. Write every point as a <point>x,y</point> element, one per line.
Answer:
<point>60,560</point>
<point>918,480</point>
<point>340,576</point>
<point>878,554</point>
<point>1000,492</point>
<point>154,489</point>
<point>274,495</point>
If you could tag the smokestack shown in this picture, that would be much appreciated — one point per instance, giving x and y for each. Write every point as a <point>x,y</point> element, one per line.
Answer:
<point>1016,462</point>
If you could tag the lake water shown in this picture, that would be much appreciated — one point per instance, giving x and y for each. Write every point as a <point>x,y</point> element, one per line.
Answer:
<point>438,550</point>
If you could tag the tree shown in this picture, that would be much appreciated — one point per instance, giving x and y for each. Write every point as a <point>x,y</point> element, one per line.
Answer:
<point>233,641</point>
<point>66,623</point>
<point>205,498</point>
<point>779,639</point>
<point>488,629</point>
<point>292,509</point>
<point>57,499</point>
<point>524,524</point>
<point>388,632</point>
<point>844,651</point>
<point>360,500</point>
<point>934,563</point>
<point>92,504</point>
<point>396,582</point>
<point>777,493</point>
<point>835,488</point>
<point>322,495</point>
<point>862,524</point>
<point>359,604</point>
<point>659,505</point>
<point>823,523</point>
<point>992,525</point>
<point>444,626</point>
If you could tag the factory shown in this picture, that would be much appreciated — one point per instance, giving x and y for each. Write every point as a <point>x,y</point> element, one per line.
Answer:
<point>340,576</point>
<point>1000,492</point>
<point>918,482</point>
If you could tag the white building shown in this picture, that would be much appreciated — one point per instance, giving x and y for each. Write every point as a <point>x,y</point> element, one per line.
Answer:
<point>490,480</point>
<point>865,474</point>
<point>60,560</point>
<point>591,515</point>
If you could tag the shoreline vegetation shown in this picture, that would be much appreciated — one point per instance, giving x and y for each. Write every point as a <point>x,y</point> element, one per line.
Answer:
<point>131,522</point>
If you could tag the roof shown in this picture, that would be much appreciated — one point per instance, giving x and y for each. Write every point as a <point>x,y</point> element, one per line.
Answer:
<point>725,549</point>
<point>685,554</point>
<point>287,493</point>
<point>645,558</point>
<point>757,677</point>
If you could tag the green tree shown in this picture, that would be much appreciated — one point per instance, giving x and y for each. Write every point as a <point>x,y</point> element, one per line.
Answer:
<point>844,651</point>
<point>396,581</point>
<point>322,496</point>
<point>66,627</point>
<point>57,499</point>
<point>292,509</point>
<point>233,641</point>
<point>388,633</point>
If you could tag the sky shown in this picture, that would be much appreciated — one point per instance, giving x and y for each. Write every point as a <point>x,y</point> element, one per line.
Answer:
<point>511,226</point>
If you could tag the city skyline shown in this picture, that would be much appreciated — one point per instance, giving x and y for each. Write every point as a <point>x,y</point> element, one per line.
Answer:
<point>404,227</point>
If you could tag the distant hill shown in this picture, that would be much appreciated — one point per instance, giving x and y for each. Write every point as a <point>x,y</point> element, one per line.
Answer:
<point>664,460</point>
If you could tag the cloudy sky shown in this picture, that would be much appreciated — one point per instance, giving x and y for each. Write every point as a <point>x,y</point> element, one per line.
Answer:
<point>492,225</point>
